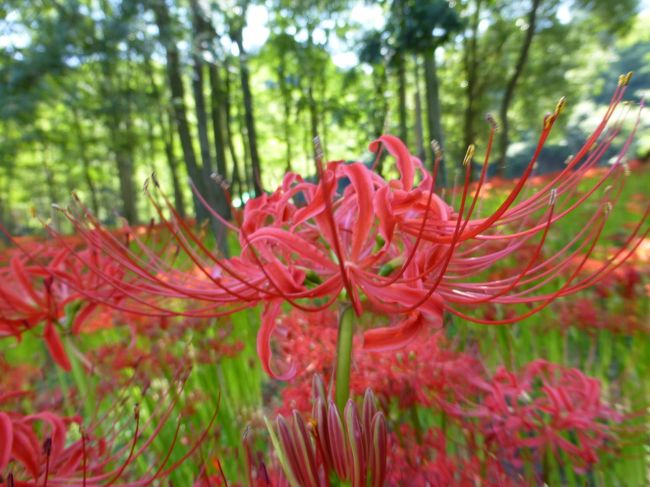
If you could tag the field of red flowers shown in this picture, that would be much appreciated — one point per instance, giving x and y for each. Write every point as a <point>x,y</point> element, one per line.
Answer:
<point>368,332</point>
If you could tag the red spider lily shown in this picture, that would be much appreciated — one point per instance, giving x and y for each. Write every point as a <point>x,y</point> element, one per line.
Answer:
<point>393,246</point>
<point>546,408</point>
<point>35,449</point>
<point>423,460</point>
<point>39,289</point>
<point>352,447</point>
<point>424,373</point>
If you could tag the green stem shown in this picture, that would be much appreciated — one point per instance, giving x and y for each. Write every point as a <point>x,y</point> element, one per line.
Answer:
<point>344,357</point>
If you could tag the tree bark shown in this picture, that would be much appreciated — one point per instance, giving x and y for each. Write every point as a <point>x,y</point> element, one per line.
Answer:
<point>177,89</point>
<point>236,173</point>
<point>419,129</point>
<point>249,116</point>
<point>167,131</point>
<point>401,96</point>
<point>512,84</point>
<point>85,160</point>
<point>471,63</point>
<point>434,124</point>
<point>286,104</point>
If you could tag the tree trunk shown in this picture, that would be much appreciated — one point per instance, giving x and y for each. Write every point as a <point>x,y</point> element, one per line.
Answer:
<point>401,97</point>
<point>286,104</point>
<point>167,131</point>
<point>434,125</point>
<point>236,173</point>
<point>214,192</point>
<point>512,83</point>
<point>471,70</point>
<point>85,160</point>
<point>419,130</point>
<point>249,116</point>
<point>172,163</point>
<point>216,109</point>
<point>178,103</point>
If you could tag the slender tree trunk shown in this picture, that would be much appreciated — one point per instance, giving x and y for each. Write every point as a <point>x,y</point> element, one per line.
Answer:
<point>419,130</point>
<point>85,160</point>
<point>214,194</point>
<point>401,97</point>
<point>434,124</point>
<point>380,80</point>
<point>286,104</point>
<point>178,103</point>
<point>216,109</point>
<point>172,163</point>
<point>398,7</point>
<point>249,116</point>
<point>512,84</point>
<point>236,173</point>
<point>471,70</point>
<point>313,112</point>
<point>167,131</point>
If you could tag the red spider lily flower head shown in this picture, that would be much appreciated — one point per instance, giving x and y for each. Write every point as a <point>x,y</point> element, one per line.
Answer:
<point>351,446</point>
<point>46,286</point>
<point>544,408</point>
<point>36,449</point>
<point>390,246</point>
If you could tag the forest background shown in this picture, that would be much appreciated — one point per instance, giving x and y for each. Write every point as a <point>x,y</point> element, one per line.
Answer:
<point>95,95</point>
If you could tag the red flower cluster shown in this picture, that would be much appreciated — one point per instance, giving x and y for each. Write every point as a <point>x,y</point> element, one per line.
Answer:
<point>517,417</point>
<point>50,285</point>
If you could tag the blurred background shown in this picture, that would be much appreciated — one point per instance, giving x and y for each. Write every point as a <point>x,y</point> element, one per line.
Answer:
<point>95,95</point>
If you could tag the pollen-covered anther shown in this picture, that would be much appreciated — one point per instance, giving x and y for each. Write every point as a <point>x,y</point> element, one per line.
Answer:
<point>561,105</point>
<point>492,121</point>
<point>553,197</point>
<point>469,155</point>
<point>318,148</point>
<point>608,207</point>
<point>624,79</point>
<point>437,150</point>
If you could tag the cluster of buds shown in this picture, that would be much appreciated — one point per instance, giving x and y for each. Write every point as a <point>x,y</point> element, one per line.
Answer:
<point>349,445</point>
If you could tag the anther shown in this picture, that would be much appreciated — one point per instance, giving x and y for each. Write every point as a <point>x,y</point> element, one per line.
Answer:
<point>437,150</point>
<point>492,121</point>
<point>469,155</point>
<point>318,149</point>
<point>561,105</point>
<point>47,446</point>
<point>155,180</point>
<point>553,197</point>
<point>624,79</point>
